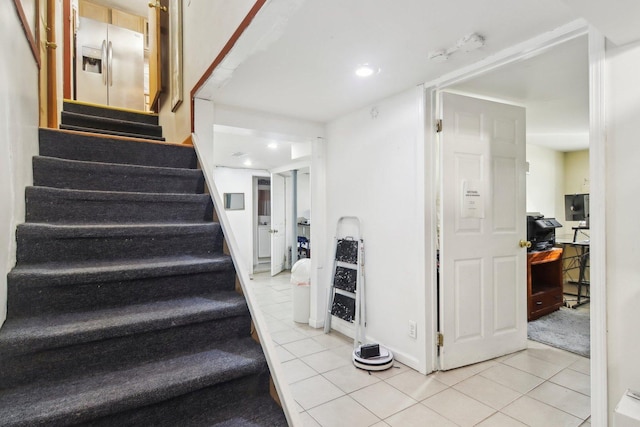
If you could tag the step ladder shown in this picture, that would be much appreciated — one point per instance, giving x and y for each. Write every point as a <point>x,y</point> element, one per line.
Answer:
<point>346,295</point>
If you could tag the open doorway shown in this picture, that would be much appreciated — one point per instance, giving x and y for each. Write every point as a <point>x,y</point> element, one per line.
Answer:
<point>273,173</point>
<point>553,88</point>
<point>111,53</point>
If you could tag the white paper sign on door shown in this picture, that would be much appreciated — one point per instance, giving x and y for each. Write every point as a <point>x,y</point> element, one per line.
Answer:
<point>472,200</point>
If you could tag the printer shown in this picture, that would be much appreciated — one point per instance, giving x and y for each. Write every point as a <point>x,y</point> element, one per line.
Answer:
<point>541,231</point>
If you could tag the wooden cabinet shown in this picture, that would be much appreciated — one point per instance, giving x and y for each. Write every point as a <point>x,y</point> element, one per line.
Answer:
<point>127,20</point>
<point>95,11</point>
<point>544,282</point>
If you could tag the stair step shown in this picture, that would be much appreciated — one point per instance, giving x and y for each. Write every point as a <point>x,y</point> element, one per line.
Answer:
<point>206,408</point>
<point>93,396</point>
<point>110,132</point>
<point>53,288</point>
<point>20,336</point>
<point>57,243</point>
<point>54,205</point>
<point>111,112</point>
<point>104,149</point>
<point>104,124</point>
<point>84,175</point>
<point>123,351</point>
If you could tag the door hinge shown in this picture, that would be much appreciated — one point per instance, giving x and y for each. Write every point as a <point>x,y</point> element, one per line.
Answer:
<point>439,125</point>
<point>440,339</point>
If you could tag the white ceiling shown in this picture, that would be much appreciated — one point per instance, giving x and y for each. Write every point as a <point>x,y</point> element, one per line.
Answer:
<point>233,146</point>
<point>308,72</point>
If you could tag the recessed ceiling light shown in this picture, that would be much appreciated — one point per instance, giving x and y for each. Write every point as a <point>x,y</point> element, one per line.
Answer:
<point>247,162</point>
<point>273,145</point>
<point>366,70</point>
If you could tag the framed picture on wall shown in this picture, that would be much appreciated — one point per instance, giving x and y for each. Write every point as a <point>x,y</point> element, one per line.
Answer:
<point>175,53</point>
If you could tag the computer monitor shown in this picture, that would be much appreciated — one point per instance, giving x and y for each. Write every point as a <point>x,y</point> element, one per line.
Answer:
<point>576,207</point>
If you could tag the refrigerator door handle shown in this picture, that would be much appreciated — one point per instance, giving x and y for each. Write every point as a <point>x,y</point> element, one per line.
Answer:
<point>110,62</point>
<point>104,62</point>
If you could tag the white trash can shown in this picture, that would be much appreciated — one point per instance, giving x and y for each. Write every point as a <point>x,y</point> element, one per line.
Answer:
<point>300,281</point>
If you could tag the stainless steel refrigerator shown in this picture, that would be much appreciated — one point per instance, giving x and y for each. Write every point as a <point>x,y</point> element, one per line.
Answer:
<point>109,65</point>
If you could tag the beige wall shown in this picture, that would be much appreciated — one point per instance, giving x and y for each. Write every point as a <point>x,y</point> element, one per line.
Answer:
<point>208,25</point>
<point>18,135</point>
<point>546,171</point>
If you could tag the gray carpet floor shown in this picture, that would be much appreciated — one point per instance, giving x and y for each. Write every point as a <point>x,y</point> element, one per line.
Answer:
<point>566,329</point>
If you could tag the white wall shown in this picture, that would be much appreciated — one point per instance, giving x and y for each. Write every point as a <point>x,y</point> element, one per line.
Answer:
<point>375,171</point>
<point>18,135</point>
<point>623,225</point>
<point>208,25</point>
<point>304,197</point>
<point>229,180</point>
<point>545,181</point>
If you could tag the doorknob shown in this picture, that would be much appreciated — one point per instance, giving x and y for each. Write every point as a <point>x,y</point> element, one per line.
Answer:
<point>158,6</point>
<point>273,231</point>
<point>525,244</point>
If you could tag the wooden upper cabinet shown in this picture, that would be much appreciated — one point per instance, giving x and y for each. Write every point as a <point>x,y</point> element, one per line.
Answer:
<point>116,17</point>
<point>126,20</point>
<point>95,11</point>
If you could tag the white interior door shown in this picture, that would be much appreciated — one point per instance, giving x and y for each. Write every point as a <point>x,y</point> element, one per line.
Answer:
<point>278,230</point>
<point>483,268</point>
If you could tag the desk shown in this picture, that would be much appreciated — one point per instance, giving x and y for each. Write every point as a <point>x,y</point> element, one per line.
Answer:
<point>544,282</point>
<point>580,262</point>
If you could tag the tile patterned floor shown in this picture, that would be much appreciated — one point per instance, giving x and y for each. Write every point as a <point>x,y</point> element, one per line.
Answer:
<point>540,386</point>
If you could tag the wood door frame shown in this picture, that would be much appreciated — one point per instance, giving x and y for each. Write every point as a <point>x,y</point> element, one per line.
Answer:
<point>578,28</point>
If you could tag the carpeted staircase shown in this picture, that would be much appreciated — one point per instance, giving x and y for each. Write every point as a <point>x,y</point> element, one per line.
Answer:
<point>122,305</point>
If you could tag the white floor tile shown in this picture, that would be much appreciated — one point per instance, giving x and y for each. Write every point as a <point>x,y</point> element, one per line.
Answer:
<point>296,370</point>
<point>329,341</point>
<point>533,365</point>
<point>343,411</point>
<point>459,408</point>
<point>308,421</point>
<point>416,385</point>
<point>537,414</point>
<point>314,391</point>
<point>284,355</point>
<point>325,361</point>
<point>513,378</point>
<point>382,399</point>
<point>454,376</point>
<point>380,424</point>
<point>582,365</point>
<point>287,336</point>
<point>573,380</point>
<point>349,378</point>
<point>488,392</point>
<point>553,355</point>
<point>418,416</point>
<point>500,420</point>
<point>574,403</point>
<point>303,347</point>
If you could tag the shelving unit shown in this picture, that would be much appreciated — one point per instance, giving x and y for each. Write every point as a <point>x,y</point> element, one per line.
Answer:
<point>544,282</point>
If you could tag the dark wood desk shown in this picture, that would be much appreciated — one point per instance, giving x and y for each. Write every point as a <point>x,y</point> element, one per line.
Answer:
<point>544,282</point>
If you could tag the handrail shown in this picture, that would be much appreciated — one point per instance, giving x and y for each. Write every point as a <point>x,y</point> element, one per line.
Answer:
<point>273,361</point>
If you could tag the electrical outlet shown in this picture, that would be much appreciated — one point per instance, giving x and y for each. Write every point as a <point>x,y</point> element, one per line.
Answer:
<point>413,329</point>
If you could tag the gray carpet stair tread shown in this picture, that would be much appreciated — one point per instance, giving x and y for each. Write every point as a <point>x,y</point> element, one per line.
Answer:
<point>111,132</point>
<point>58,243</point>
<point>90,397</point>
<point>72,194</point>
<point>85,175</point>
<point>39,333</point>
<point>114,113</point>
<point>105,122</point>
<point>67,231</point>
<point>106,149</point>
<point>52,274</point>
